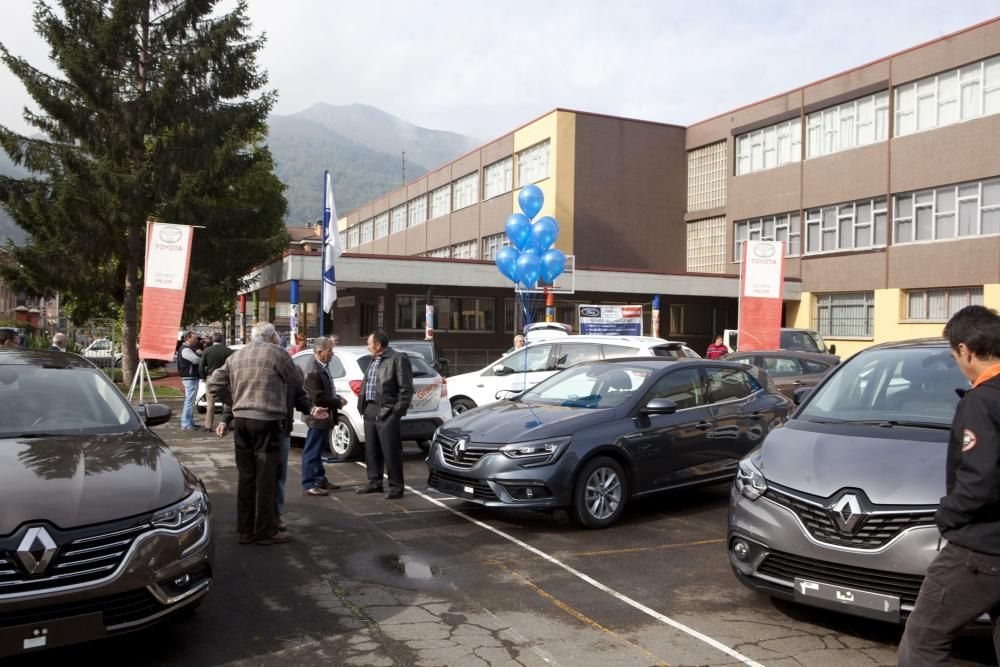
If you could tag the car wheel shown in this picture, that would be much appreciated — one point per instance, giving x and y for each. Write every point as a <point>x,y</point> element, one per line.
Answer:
<point>424,445</point>
<point>345,441</point>
<point>600,493</point>
<point>460,405</point>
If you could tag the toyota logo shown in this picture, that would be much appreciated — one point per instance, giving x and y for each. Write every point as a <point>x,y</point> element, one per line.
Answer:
<point>170,234</point>
<point>847,514</point>
<point>36,550</point>
<point>763,250</point>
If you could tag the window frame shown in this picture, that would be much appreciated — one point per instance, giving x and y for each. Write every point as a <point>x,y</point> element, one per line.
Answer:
<point>786,221</point>
<point>907,97</point>
<point>816,217</point>
<point>973,296</point>
<point>826,300</point>
<point>769,139</point>
<point>928,199</point>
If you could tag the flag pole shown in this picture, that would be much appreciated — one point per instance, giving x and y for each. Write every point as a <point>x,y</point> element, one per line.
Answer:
<point>322,265</point>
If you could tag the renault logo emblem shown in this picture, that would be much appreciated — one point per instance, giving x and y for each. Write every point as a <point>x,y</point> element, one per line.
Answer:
<point>460,449</point>
<point>847,513</point>
<point>36,550</point>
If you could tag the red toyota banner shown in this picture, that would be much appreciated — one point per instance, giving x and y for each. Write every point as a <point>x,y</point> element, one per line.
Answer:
<point>761,287</point>
<point>168,252</point>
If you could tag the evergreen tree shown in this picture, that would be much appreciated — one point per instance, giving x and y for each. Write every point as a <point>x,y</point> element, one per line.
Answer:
<point>157,113</point>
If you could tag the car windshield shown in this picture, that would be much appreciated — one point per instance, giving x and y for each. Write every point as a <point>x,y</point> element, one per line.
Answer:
<point>38,400</point>
<point>805,341</point>
<point>907,386</point>
<point>592,386</point>
<point>426,350</point>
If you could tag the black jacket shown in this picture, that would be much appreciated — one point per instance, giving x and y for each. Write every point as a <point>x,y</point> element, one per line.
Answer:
<point>185,368</point>
<point>212,358</point>
<point>969,515</point>
<point>395,385</point>
<point>321,392</point>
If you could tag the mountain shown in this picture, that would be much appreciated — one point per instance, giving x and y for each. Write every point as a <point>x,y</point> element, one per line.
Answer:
<point>8,228</point>
<point>361,146</point>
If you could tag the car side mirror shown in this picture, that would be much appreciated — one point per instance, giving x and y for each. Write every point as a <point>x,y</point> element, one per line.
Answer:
<point>500,369</point>
<point>800,394</point>
<point>833,349</point>
<point>443,361</point>
<point>154,414</point>
<point>659,406</point>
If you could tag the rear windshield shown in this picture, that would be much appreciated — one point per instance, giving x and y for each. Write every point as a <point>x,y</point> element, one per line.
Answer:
<point>676,351</point>
<point>426,350</point>
<point>804,341</point>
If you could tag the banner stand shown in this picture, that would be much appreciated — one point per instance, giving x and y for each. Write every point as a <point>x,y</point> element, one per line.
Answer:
<point>140,378</point>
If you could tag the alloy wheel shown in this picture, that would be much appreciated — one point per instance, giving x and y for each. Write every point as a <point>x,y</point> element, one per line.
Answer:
<point>603,493</point>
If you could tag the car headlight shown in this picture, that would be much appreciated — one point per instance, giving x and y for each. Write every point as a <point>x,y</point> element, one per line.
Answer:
<point>536,452</point>
<point>183,513</point>
<point>749,479</point>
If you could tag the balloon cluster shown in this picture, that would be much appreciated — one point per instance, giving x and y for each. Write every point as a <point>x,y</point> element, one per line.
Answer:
<point>532,257</point>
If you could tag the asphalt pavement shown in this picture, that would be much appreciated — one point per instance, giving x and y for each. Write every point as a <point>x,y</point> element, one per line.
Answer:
<point>431,581</point>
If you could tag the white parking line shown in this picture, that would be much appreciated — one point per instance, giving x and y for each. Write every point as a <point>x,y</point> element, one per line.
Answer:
<point>593,582</point>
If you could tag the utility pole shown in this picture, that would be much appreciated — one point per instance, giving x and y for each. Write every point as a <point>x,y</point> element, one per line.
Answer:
<point>404,167</point>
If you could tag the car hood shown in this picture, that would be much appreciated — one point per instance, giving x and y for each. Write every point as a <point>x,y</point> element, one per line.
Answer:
<point>514,421</point>
<point>83,479</point>
<point>898,466</point>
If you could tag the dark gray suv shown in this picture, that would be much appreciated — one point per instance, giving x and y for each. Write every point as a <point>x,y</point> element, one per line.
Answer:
<point>102,530</point>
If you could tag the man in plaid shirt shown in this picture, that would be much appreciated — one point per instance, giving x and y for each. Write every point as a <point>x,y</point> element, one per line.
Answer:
<point>255,381</point>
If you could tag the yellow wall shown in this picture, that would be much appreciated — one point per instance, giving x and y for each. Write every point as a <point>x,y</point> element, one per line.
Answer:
<point>559,127</point>
<point>888,324</point>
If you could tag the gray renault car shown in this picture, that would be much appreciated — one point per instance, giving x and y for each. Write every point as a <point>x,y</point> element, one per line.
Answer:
<point>102,530</point>
<point>599,433</point>
<point>836,509</point>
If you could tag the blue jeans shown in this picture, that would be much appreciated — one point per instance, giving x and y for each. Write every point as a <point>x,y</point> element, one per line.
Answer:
<point>190,393</point>
<point>286,446</point>
<point>313,472</point>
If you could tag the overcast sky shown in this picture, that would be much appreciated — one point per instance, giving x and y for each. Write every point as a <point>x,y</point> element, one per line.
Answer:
<point>483,68</point>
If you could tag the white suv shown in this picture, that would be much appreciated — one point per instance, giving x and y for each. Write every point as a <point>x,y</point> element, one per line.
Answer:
<point>539,360</point>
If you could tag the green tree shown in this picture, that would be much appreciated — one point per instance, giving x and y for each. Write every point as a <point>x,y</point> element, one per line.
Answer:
<point>157,113</point>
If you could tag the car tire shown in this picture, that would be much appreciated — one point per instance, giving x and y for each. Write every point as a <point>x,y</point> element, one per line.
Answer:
<point>424,445</point>
<point>460,405</point>
<point>344,440</point>
<point>600,493</point>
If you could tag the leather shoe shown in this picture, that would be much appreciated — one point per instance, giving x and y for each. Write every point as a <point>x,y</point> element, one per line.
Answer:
<point>246,538</point>
<point>316,491</point>
<point>394,494</point>
<point>329,486</point>
<point>368,489</point>
<point>278,538</point>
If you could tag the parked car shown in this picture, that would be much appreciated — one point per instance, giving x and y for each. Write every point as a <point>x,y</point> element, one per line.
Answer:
<point>103,353</point>
<point>429,350</point>
<point>595,435</point>
<point>22,338</point>
<point>801,340</point>
<point>428,409</point>
<point>200,401</point>
<point>102,530</point>
<point>539,360</point>
<point>789,370</point>
<point>836,509</point>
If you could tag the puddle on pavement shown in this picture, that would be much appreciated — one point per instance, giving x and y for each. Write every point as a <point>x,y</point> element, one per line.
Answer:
<point>408,566</point>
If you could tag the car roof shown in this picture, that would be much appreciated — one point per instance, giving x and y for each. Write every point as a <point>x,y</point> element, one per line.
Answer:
<point>648,341</point>
<point>798,354</point>
<point>660,362</point>
<point>43,358</point>
<point>913,342</point>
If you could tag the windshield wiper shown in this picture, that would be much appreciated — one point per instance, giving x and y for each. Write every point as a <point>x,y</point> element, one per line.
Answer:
<point>889,423</point>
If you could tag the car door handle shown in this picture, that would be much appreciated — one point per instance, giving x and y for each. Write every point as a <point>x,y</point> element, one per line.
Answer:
<point>798,382</point>
<point>704,426</point>
<point>480,386</point>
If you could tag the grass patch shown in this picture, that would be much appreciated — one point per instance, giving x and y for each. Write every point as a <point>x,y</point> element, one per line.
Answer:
<point>161,392</point>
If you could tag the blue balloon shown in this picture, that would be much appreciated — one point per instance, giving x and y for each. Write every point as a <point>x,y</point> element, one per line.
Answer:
<point>543,233</point>
<point>518,230</point>
<point>530,200</point>
<point>529,266</point>
<point>553,263</point>
<point>507,262</point>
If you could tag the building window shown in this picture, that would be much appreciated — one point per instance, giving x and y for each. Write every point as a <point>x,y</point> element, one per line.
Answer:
<point>769,147</point>
<point>856,225</point>
<point>706,245</point>
<point>440,253</point>
<point>493,243</point>
<point>343,239</point>
<point>845,315</point>
<point>381,225</point>
<point>418,211</point>
<point>450,313</point>
<point>953,211</point>
<point>498,178</point>
<point>707,177</point>
<point>467,250</point>
<point>512,319</point>
<point>849,125</point>
<point>367,227</point>
<point>441,201</point>
<point>938,305</point>
<point>533,164</point>
<point>353,236</point>
<point>698,320</point>
<point>466,191</point>
<point>397,217</point>
<point>954,96</point>
<point>785,227</point>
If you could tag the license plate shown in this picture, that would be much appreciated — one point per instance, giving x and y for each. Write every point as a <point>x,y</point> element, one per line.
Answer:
<point>456,489</point>
<point>862,603</point>
<point>48,634</point>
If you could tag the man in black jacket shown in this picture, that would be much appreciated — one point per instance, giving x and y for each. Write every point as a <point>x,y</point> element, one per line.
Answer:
<point>212,358</point>
<point>319,386</point>
<point>963,582</point>
<point>384,398</point>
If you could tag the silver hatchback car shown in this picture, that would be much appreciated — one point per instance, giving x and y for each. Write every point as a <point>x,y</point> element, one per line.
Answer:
<point>836,508</point>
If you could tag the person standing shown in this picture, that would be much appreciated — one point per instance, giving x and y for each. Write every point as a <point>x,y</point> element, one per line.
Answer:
<point>716,350</point>
<point>212,359</point>
<point>963,581</point>
<point>58,342</point>
<point>384,398</point>
<point>319,386</point>
<point>518,341</point>
<point>300,344</point>
<point>255,382</point>
<point>187,367</point>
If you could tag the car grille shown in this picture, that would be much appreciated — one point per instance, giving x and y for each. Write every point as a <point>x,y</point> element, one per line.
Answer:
<point>117,609</point>
<point>462,460</point>
<point>80,561</point>
<point>874,531</point>
<point>482,488</point>
<point>787,567</point>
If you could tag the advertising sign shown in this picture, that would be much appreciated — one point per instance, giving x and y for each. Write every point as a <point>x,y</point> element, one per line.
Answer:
<point>168,252</point>
<point>761,286</point>
<point>611,320</point>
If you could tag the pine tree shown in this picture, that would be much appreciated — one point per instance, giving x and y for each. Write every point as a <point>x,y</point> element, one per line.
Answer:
<point>157,113</point>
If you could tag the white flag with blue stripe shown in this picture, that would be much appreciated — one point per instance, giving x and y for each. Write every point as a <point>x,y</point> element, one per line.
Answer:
<point>332,247</point>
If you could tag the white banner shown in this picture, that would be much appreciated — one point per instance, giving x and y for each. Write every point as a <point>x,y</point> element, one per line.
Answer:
<point>611,320</point>
<point>167,256</point>
<point>762,273</point>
